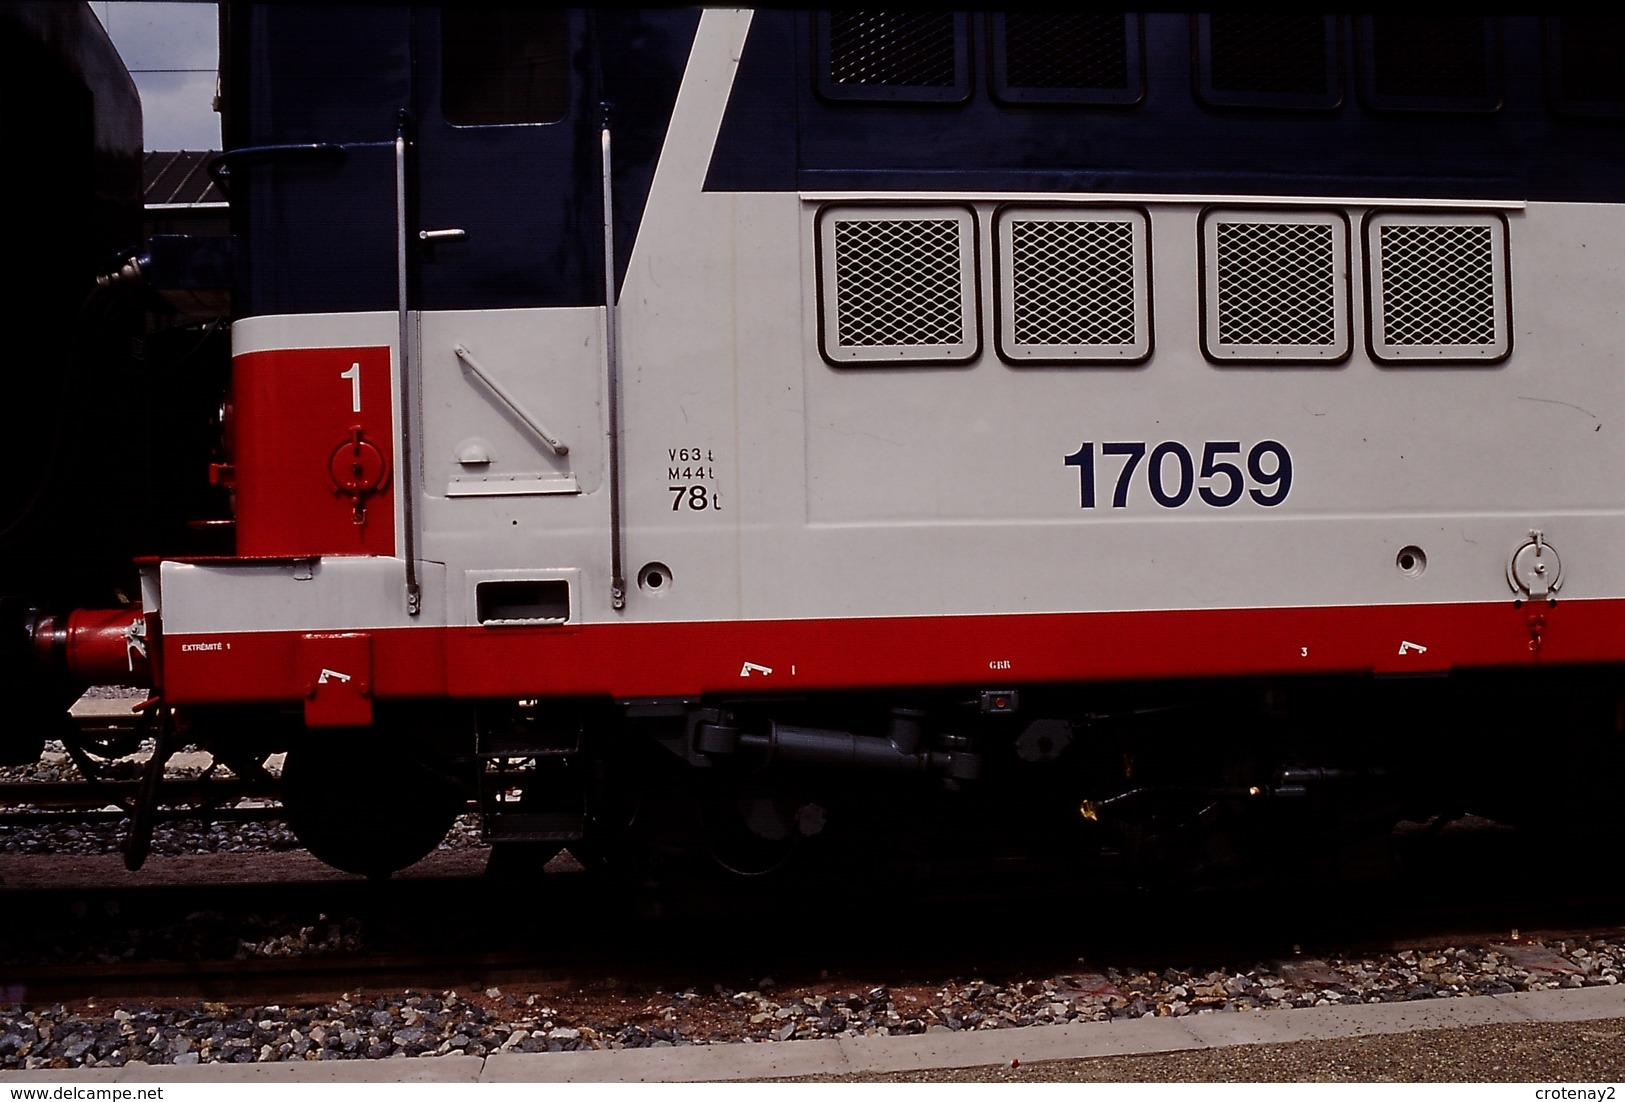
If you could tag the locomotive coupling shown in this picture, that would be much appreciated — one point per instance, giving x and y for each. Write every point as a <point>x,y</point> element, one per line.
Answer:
<point>93,646</point>
<point>194,275</point>
<point>131,271</point>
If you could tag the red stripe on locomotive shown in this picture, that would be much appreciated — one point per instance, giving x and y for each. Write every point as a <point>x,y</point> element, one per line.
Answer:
<point>643,660</point>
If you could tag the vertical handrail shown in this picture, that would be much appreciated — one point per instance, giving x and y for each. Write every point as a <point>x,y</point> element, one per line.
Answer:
<point>414,595</point>
<point>612,355</point>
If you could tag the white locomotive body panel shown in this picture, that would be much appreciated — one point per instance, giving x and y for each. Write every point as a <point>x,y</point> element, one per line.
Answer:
<point>765,480</point>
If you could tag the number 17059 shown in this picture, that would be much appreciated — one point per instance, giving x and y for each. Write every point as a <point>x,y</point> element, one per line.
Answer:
<point>1172,474</point>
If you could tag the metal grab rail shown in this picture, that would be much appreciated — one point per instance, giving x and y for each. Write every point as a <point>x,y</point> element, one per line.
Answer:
<point>554,444</point>
<point>612,365</point>
<point>408,366</point>
<point>220,167</point>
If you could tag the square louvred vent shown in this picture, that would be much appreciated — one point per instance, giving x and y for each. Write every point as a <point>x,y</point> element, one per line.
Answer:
<point>898,284</point>
<point>1438,287</point>
<point>1275,286</point>
<point>1073,285</point>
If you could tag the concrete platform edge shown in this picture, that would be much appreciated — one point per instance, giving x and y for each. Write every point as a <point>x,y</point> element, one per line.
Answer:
<point>850,1055</point>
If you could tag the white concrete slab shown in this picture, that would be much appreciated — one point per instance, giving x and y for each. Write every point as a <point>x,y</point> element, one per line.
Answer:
<point>1321,1023</point>
<point>1028,1045</point>
<point>1577,1005</point>
<point>1067,1042</point>
<point>438,1069</point>
<point>689,1064</point>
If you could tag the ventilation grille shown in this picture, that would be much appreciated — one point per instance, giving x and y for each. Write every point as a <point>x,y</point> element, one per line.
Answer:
<point>1438,62</point>
<point>898,282</point>
<point>909,49</point>
<point>1073,282</point>
<point>898,287</point>
<point>1269,60</point>
<point>1070,50</point>
<point>1073,285</point>
<point>1590,79</point>
<point>1438,287</point>
<point>1276,285</point>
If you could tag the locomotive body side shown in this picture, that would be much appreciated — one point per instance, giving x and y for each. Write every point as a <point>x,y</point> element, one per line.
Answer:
<point>726,392</point>
<point>1207,516</point>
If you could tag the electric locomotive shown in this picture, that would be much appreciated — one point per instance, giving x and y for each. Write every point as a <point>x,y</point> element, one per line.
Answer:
<point>726,433</point>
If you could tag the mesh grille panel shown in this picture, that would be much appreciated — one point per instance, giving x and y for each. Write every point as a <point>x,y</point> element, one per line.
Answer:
<point>1277,283</point>
<point>1429,57</point>
<point>912,49</point>
<point>898,282</point>
<point>1438,285</point>
<point>1589,55</point>
<point>1073,282</point>
<point>1272,54</point>
<point>1072,50</point>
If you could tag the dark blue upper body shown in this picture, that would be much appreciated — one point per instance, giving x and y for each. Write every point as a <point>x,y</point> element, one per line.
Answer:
<point>1520,140</point>
<point>319,231</point>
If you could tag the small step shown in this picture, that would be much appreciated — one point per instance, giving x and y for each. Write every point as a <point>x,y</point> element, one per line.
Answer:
<point>527,744</point>
<point>534,826</point>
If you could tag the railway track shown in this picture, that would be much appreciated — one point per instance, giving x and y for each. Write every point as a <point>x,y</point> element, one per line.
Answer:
<point>237,930</point>
<point>1460,890</point>
<point>444,980</point>
<point>292,958</point>
<point>258,981</point>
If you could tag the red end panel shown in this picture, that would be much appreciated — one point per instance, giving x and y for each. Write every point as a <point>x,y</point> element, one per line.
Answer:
<point>315,452</point>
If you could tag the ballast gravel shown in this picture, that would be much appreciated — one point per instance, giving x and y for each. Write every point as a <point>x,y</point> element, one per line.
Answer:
<point>419,1024</point>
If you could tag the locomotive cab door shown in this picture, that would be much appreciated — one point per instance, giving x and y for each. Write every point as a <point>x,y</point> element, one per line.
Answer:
<point>506,238</point>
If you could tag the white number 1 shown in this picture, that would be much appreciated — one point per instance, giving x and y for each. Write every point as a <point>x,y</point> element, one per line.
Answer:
<point>354,375</point>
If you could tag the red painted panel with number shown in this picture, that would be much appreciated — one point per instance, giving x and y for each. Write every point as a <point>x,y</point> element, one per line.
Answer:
<point>314,443</point>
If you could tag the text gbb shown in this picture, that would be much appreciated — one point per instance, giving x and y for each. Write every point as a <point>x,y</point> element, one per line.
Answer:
<point>1172,474</point>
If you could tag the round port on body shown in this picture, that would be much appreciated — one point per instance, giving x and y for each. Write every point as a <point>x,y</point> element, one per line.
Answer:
<point>1411,561</point>
<point>654,578</point>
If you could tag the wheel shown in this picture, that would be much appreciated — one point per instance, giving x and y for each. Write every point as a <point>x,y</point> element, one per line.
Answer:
<point>756,829</point>
<point>365,804</point>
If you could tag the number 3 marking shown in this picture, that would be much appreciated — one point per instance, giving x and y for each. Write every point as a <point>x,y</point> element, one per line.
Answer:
<point>354,375</point>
